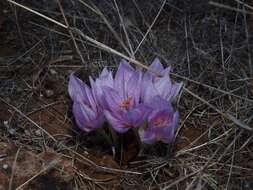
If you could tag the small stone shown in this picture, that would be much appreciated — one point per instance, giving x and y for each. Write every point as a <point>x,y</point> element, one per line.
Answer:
<point>52,72</point>
<point>49,93</point>
<point>6,123</point>
<point>27,132</point>
<point>8,100</point>
<point>5,166</point>
<point>38,132</point>
<point>19,90</point>
<point>12,131</point>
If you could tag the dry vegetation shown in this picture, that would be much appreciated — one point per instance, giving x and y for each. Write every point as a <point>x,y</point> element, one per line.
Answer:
<point>210,49</point>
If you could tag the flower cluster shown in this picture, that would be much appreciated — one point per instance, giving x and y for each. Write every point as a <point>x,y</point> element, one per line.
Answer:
<point>131,99</point>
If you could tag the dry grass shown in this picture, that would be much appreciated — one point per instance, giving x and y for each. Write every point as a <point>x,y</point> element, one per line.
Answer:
<point>209,47</point>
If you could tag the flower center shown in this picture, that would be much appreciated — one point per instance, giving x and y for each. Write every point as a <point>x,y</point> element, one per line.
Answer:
<point>160,121</point>
<point>126,103</point>
<point>127,126</point>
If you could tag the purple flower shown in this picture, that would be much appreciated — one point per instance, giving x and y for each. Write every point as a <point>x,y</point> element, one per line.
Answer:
<point>88,115</point>
<point>129,100</point>
<point>154,85</point>
<point>123,99</point>
<point>128,119</point>
<point>162,122</point>
<point>86,118</point>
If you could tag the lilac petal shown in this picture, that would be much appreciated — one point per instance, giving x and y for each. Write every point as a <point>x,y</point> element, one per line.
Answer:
<point>115,122</point>
<point>97,95</point>
<point>176,88</point>
<point>133,87</point>
<point>175,120</point>
<point>77,89</point>
<point>146,81</point>
<point>165,134</point>
<point>157,103</point>
<point>83,116</point>
<point>106,78</point>
<point>136,116</point>
<point>149,92</point>
<point>90,97</point>
<point>162,122</point>
<point>124,68</point>
<point>78,115</point>
<point>87,113</point>
<point>165,116</point>
<point>149,76</point>
<point>123,74</point>
<point>80,92</point>
<point>147,136</point>
<point>163,86</point>
<point>166,71</point>
<point>104,72</point>
<point>112,98</point>
<point>156,66</point>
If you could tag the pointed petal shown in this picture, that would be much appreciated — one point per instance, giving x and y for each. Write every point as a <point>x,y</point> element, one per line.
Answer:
<point>100,94</point>
<point>90,98</point>
<point>123,74</point>
<point>175,120</point>
<point>83,116</point>
<point>106,78</point>
<point>115,122</point>
<point>77,89</point>
<point>166,71</point>
<point>166,134</point>
<point>147,136</point>
<point>163,86</point>
<point>104,72</point>
<point>133,88</point>
<point>159,103</point>
<point>124,68</point>
<point>93,89</point>
<point>146,81</point>
<point>136,116</point>
<point>176,88</point>
<point>149,92</point>
<point>112,98</point>
<point>156,66</point>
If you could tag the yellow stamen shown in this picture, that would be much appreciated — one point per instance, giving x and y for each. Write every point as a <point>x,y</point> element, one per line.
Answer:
<point>159,122</point>
<point>126,103</point>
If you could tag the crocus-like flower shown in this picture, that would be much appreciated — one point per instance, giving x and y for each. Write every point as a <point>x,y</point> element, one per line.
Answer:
<point>128,119</point>
<point>161,122</point>
<point>131,99</point>
<point>88,115</point>
<point>154,85</point>
<point>123,99</point>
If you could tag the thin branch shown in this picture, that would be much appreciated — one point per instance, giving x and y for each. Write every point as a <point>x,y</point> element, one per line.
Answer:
<point>220,5</point>
<point>150,27</point>
<point>70,32</point>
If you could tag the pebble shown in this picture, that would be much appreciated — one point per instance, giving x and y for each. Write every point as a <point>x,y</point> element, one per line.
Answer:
<point>49,93</point>
<point>53,72</point>
<point>5,166</point>
<point>38,132</point>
